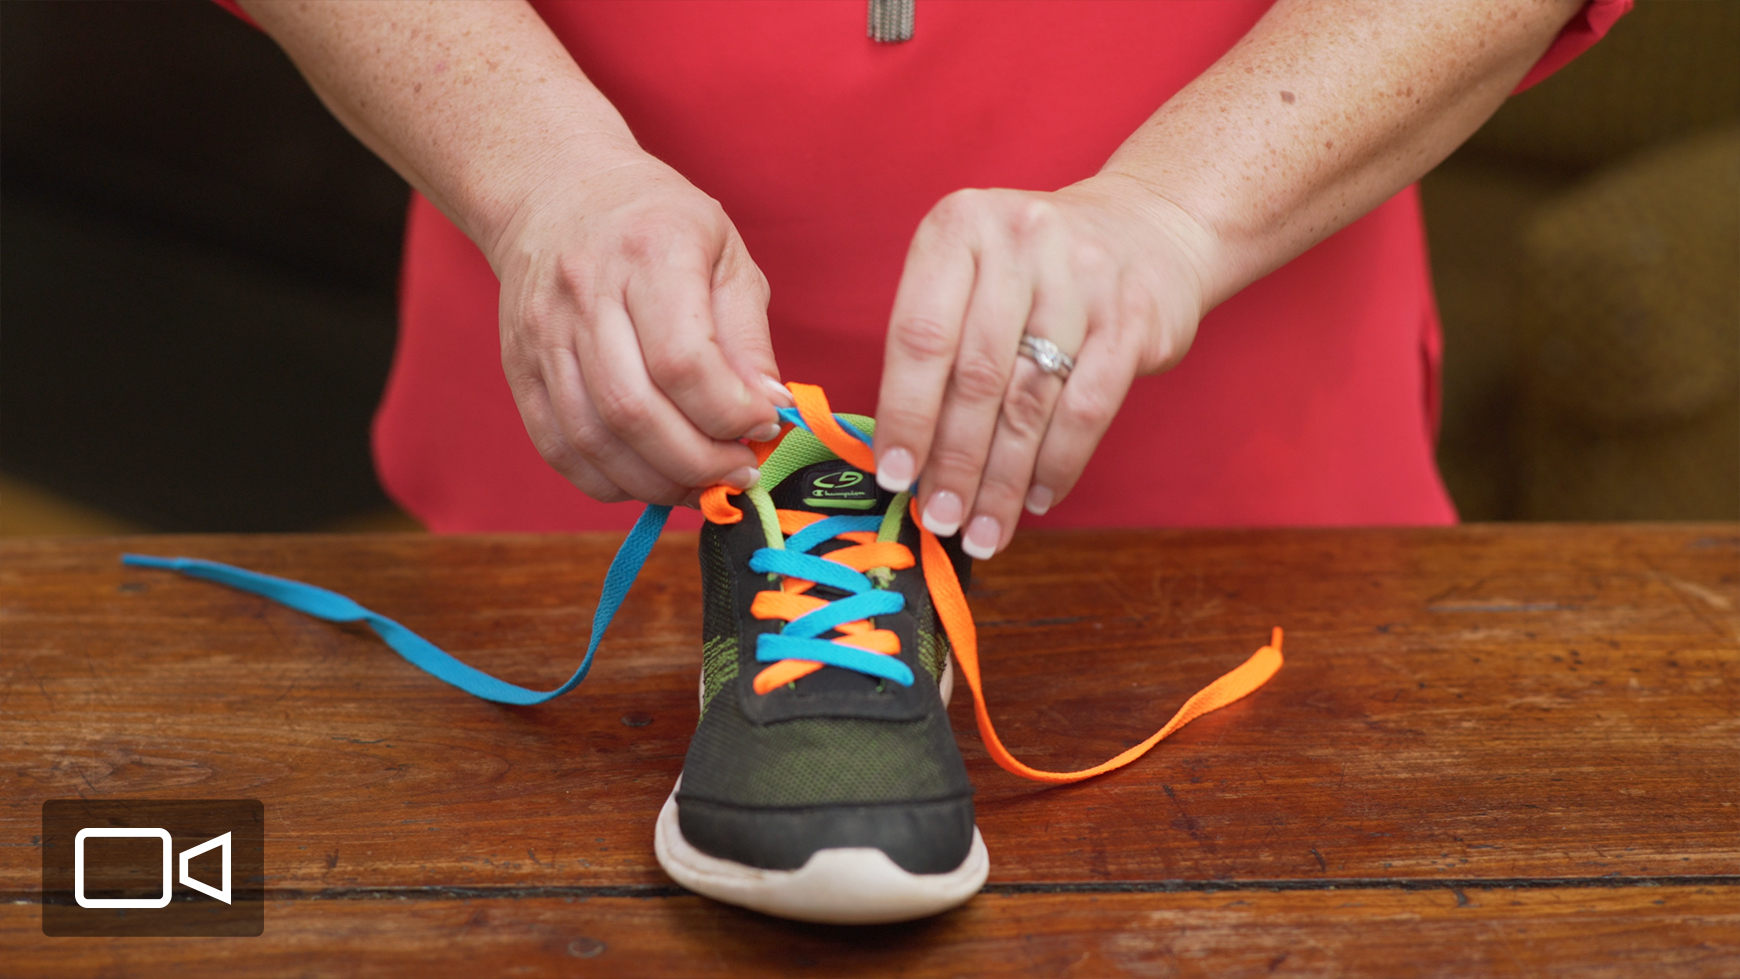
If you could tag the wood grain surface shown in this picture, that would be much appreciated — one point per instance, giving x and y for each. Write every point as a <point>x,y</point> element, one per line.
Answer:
<point>1492,751</point>
<point>1623,933</point>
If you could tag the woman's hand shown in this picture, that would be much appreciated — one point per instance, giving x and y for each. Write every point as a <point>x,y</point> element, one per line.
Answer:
<point>634,331</point>
<point>1106,269</point>
<point>633,324</point>
<point>1317,115</point>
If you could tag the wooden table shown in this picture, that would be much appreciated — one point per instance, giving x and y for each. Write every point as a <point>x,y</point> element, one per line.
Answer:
<point>1492,751</point>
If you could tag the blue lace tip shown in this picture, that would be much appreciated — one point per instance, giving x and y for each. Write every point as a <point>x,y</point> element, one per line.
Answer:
<point>148,561</point>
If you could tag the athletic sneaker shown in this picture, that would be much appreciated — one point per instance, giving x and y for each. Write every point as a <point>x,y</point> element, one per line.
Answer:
<point>823,782</point>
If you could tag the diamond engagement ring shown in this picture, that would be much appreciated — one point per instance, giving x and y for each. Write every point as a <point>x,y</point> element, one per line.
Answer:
<point>1045,353</point>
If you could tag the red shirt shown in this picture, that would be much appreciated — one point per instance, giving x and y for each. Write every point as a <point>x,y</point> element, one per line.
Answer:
<point>1309,398</point>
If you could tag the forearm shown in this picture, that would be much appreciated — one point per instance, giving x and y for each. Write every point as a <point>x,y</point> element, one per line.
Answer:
<point>472,103</point>
<point>1323,111</point>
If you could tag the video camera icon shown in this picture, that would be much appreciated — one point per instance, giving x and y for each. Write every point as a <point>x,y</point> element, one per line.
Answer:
<point>109,868</point>
<point>221,843</point>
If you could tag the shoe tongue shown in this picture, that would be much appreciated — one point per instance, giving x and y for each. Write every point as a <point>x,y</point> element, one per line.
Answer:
<point>803,474</point>
<point>832,487</point>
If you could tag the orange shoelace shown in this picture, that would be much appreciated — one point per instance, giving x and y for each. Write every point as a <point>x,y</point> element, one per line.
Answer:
<point>792,602</point>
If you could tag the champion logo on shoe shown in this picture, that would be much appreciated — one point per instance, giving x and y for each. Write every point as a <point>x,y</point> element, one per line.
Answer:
<point>823,782</point>
<point>839,487</point>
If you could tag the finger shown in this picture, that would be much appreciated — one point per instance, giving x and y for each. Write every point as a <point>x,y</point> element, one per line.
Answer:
<point>740,297</point>
<point>1021,429</point>
<point>606,379</point>
<point>1001,302</point>
<point>923,334</point>
<point>670,304</point>
<point>1085,408</point>
<point>1023,421</point>
<point>585,431</point>
<point>556,447</point>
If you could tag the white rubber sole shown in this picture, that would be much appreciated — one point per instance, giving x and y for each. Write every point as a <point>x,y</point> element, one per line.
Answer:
<point>846,886</point>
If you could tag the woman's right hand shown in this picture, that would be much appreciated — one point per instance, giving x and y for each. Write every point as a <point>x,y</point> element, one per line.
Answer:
<point>633,324</point>
<point>634,330</point>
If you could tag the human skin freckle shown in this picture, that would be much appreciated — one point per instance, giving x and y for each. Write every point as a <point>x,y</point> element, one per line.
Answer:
<point>1287,97</point>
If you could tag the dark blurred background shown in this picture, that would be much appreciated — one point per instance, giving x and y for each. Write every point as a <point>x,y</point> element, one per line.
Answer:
<point>198,267</point>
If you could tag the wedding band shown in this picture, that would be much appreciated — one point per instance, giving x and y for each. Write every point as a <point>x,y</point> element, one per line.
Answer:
<point>1045,353</point>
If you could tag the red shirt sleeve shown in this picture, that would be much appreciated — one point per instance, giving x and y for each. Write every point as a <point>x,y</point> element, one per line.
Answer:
<point>1588,26</point>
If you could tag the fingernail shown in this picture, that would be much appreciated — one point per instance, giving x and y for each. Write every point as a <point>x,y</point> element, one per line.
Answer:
<point>743,478</point>
<point>765,433</point>
<point>1039,500</point>
<point>981,538</point>
<point>942,515</point>
<point>780,394</point>
<point>894,471</point>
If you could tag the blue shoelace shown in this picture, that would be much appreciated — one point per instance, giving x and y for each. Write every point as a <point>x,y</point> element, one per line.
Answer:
<point>795,641</point>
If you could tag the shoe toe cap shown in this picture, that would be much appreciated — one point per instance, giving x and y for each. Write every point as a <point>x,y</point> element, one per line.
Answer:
<point>920,837</point>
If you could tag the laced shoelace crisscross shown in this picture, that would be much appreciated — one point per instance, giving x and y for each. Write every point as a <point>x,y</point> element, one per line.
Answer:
<point>797,649</point>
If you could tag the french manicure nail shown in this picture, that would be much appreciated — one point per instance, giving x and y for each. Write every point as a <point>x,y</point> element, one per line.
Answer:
<point>894,471</point>
<point>1039,500</point>
<point>765,433</point>
<point>982,537</point>
<point>743,478</point>
<point>942,515</point>
<point>780,394</point>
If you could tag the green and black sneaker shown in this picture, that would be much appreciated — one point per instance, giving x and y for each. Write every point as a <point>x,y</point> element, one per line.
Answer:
<point>823,782</point>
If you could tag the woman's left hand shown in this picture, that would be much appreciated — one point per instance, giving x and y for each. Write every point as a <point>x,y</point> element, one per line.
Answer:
<point>1317,115</point>
<point>1106,269</point>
